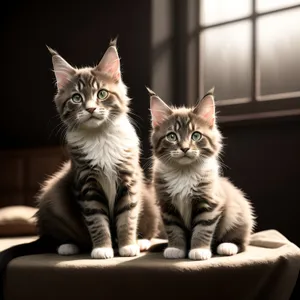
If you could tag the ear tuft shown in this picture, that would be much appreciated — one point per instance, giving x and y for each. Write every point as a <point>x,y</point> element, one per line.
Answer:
<point>151,93</point>
<point>211,91</point>
<point>52,51</point>
<point>113,42</point>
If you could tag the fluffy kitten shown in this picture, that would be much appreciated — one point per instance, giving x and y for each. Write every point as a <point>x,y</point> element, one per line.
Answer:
<point>202,211</point>
<point>103,184</point>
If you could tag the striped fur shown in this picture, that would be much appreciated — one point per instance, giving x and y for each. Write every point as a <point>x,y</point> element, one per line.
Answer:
<point>103,179</point>
<point>202,211</point>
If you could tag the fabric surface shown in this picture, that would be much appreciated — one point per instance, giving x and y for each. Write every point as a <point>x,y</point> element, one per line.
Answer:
<point>16,240</point>
<point>17,220</point>
<point>267,270</point>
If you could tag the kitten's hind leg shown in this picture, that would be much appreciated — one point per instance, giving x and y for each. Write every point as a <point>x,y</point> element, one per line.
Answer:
<point>148,220</point>
<point>144,244</point>
<point>227,249</point>
<point>233,241</point>
<point>67,249</point>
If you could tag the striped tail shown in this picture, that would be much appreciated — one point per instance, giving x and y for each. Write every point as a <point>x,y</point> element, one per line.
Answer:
<point>41,245</point>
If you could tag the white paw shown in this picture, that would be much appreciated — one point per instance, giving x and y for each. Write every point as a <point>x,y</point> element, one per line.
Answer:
<point>130,250</point>
<point>200,254</point>
<point>102,253</point>
<point>144,244</point>
<point>174,253</point>
<point>67,249</point>
<point>227,249</point>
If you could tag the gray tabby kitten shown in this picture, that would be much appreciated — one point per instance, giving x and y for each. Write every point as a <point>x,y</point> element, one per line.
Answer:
<point>102,188</point>
<point>202,211</point>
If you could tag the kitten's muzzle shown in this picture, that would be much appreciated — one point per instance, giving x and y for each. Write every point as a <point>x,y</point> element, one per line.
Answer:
<point>186,154</point>
<point>90,109</point>
<point>184,150</point>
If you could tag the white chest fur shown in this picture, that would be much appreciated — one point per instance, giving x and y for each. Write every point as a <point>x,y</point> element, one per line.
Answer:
<point>180,184</point>
<point>106,149</point>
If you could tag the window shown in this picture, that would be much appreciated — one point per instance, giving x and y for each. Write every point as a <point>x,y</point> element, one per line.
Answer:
<point>250,51</point>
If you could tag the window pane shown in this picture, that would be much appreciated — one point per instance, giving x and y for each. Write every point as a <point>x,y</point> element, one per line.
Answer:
<point>226,60</point>
<point>279,52</point>
<point>267,5</point>
<point>215,11</point>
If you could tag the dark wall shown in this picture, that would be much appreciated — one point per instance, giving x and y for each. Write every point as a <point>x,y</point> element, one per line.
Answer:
<point>263,159</point>
<point>80,33</point>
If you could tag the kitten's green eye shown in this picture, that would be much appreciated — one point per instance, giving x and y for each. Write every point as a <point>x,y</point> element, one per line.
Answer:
<point>196,136</point>
<point>76,98</point>
<point>172,137</point>
<point>102,94</point>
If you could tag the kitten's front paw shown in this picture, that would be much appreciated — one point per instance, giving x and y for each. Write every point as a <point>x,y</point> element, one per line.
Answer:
<point>144,244</point>
<point>130,250</point>
<point>200,254</point>
<point>174,253</point>
<point>102,253</point>
<point>227,249</point>
<point>67,249</point>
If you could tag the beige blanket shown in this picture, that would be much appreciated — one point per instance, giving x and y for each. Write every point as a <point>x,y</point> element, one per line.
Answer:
<point>267,270</point>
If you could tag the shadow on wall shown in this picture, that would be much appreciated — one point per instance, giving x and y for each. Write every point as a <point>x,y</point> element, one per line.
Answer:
<point>263,160</point>
<point>81,35</point>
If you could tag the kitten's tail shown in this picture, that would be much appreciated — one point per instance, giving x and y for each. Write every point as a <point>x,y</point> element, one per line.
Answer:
<point>42,245</point>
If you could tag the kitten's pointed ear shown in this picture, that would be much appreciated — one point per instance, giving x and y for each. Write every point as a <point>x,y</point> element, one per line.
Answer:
<point>62,69</point>
<point>110,62</point>
<point>206,108</point>
<point>159,109</point>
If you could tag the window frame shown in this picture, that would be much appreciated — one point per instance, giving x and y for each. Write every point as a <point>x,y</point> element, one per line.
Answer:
<point>256,106</point>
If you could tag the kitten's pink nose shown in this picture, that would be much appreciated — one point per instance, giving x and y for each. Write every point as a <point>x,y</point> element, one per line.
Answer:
<point>91,109</point>
<point>185,150</point>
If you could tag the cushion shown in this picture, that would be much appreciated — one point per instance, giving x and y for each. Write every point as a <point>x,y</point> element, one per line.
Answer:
<point>268,270</point>
<point>17,220</point>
